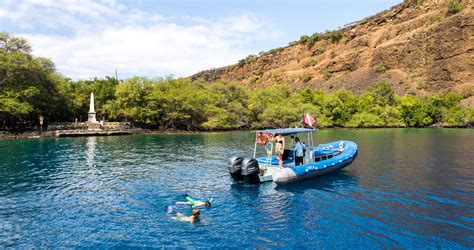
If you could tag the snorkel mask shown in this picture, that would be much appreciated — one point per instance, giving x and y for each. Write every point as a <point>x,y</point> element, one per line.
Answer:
<point>209,202</point>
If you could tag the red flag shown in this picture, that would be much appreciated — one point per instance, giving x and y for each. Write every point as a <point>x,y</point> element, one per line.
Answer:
<point>308,120</point>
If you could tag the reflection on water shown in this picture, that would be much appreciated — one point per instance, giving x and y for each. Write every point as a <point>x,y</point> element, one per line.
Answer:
<point>91,142</point>
<point>408,188</point>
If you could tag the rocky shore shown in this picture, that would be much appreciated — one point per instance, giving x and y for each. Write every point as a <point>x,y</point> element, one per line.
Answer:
<point>64,133</point>
<point>82,132</point>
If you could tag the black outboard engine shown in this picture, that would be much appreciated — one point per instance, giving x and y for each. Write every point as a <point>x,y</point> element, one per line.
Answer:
<point>235,166</point>
<point>250,171</point>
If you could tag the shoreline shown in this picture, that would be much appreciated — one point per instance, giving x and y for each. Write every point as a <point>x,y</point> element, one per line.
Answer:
<point>30,134</point>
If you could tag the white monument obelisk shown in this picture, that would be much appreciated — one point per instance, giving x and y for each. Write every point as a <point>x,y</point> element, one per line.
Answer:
<point>92,110</point>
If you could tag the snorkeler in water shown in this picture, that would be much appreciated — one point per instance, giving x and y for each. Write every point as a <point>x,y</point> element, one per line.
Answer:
<point>195,203</point>
<point>193,218</point>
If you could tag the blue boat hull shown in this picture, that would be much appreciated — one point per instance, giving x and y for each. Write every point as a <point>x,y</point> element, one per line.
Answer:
<point>332,157</point>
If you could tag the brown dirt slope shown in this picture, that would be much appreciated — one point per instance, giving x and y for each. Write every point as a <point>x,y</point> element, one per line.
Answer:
<point>417,46</point>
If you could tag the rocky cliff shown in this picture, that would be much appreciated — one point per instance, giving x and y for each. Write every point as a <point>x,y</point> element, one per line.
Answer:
<point>417,46</point>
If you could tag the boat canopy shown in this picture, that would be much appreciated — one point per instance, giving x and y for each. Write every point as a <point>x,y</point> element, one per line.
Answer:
<point>285,131</point>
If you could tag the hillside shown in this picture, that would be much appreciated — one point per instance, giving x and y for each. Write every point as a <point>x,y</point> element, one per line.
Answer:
<point>420,47</point>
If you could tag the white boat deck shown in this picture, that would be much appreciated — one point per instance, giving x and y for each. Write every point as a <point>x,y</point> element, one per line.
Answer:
<point>269,171</point>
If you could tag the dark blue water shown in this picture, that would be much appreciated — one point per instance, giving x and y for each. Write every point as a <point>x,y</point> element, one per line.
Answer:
<point>408,188</point>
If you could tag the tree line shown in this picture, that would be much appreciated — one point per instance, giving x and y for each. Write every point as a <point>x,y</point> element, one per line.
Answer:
<point>30,86</point>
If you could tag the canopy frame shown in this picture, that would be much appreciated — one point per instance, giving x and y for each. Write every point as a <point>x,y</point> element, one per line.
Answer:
<point>288,131</point>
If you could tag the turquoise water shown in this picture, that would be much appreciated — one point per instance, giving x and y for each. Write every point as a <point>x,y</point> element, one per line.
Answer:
<point>408,188</point>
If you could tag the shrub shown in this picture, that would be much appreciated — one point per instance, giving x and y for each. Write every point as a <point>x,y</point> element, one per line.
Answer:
<point>251,58</point>
<point>335,36</point>
<point>327,74</point>
<point>455,117</point>
<point>438,104</point>
<point>454,6</point>
<point>280,114</point>
<point>275,50</point>
<point>365,120</point>
<point>313,39</point>
<point>305,77</point>
<point>340,106</point>
<point>310,40</point>
<point>421,85</point>
<point>231,67</point>
<point>274,75</point>
<point>260,71</point>
<point>414,111</point>
<point>248,59</point>
<point>392,117</point>
<point>381,67</point>
<point>304,38</point>
<point>310,63</point>
<point>470,117</point>
<point>318,51</point>
<point>382,93</point>
<point>323,122</point>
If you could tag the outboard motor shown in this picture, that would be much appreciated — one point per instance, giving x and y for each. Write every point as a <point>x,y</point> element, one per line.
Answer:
<point>250,171</point>
<point>235,166</point>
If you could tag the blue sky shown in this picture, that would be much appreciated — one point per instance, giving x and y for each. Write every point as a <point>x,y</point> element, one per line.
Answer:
<point>156,38</point>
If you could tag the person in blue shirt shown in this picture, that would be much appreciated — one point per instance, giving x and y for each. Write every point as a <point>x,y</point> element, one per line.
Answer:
<point>299,149</point>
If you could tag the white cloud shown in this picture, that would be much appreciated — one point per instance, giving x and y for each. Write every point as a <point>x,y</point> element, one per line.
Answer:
<point>95,38</point>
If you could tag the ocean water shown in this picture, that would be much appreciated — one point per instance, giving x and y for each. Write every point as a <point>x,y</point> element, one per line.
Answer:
<point>408,188</point>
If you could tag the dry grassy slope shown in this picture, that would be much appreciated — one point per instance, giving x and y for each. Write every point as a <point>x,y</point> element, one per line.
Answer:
<point>426,49</point>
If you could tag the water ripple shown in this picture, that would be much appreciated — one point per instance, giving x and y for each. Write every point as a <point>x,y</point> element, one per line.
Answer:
<point>113,191</point>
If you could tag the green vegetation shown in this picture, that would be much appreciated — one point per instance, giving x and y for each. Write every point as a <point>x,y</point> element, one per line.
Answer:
<point>29,87</point>
<point>335,35</point>
<point>305,77</point>
<point>310,63</point>
<point>310,40</point>
<point>454,6</point>
<point>318,51</point>
<point>327,75</point>
<point>421,85</point>
<point>275,50</point>
<point>381,67</point>
<point>248,59</point>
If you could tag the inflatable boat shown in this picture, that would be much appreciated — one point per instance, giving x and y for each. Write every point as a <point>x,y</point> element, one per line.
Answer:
<point>317,160</point>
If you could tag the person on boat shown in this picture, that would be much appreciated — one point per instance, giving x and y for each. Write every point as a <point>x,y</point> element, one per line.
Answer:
<point>195,203</point>
<point>279,148</point>
<point>193,218</point>
<point>299,149</point>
